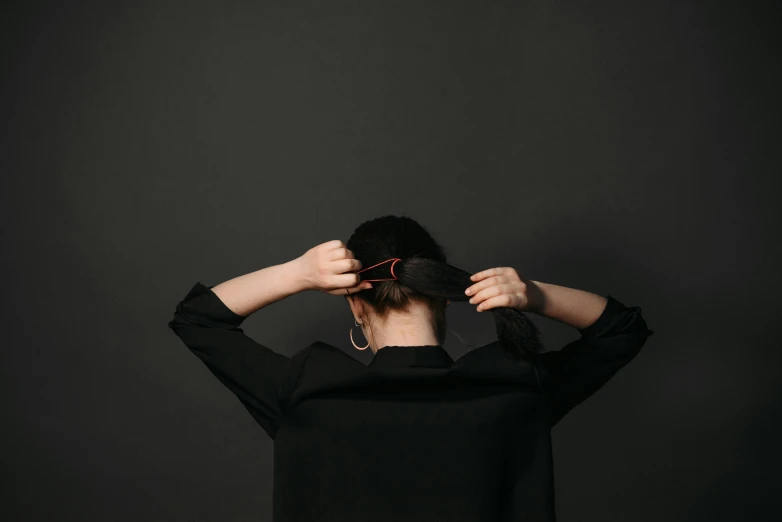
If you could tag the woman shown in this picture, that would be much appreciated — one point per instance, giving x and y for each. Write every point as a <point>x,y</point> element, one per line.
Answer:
<point>413,435</point>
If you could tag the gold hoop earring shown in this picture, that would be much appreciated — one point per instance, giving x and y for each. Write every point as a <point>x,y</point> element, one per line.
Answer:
<point>351,335</point>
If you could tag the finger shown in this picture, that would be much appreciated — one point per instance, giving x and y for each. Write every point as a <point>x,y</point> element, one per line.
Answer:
<point>353,290</point>
<point>340,253</point>
<point>334,243</point>
<point>348,280</point>
<point>504,300</point>
<point>490,292</point>
<point>345,265</point>
<point>477,287</point>
<point>483,274</point>
<point>365,285</point>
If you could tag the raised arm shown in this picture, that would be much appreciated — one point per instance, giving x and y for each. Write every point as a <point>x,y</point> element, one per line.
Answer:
<point>249,293</point>
<point>207,321</point>
<point>611,335</point>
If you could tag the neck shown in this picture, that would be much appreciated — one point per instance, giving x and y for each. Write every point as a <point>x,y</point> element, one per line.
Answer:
<point>403,329</point>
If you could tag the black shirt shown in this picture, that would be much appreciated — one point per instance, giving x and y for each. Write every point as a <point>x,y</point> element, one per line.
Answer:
<point>414,435</point>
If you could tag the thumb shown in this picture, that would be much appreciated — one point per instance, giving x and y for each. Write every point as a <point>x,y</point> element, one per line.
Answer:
<point>351,290</point>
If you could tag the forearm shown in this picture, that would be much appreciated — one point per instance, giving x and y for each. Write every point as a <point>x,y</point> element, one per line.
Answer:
<point>576,308</point>
<point>248,293</point>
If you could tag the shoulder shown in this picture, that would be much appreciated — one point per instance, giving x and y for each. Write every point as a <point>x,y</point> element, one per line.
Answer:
<point>316,358</point>
<point>492,361</point>
<point>323,355</point>
<point>321,366</point>
<point>489,354</point>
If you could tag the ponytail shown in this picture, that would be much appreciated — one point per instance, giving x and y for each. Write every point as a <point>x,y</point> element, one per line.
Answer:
<point>515,332</point>
<point>423,272</point>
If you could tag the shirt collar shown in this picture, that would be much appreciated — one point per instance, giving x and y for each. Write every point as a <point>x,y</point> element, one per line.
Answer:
<point>427,356</point>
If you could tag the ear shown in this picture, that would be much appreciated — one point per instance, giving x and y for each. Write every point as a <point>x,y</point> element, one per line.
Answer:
<point>355,308</point>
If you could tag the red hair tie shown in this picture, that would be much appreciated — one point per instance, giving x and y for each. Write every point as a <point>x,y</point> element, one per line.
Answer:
<point>394,259</point>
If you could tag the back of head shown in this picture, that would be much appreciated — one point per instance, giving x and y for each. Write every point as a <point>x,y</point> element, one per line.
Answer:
<point>425,275</point>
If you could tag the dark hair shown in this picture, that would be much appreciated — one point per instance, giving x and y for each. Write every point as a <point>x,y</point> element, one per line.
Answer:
<point>423,273</point>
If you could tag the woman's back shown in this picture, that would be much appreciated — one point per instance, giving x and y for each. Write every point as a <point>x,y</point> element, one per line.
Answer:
<point>413,435</point>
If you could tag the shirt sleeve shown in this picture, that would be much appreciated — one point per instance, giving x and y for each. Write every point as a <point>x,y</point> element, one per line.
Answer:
<point>585,365</point>
<point>252,371</point>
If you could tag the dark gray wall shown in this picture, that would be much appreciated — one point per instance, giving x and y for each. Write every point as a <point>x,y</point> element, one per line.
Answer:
<point>623,148</point>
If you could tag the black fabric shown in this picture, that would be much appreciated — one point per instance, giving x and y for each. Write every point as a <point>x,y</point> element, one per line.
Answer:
<point>413,435</point>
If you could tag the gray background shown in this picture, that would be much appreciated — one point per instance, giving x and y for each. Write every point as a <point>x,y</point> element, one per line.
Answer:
<point>622,148</point>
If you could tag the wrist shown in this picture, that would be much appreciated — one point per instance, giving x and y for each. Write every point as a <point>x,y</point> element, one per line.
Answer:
<point>536,297</point>
<point>295,276</point>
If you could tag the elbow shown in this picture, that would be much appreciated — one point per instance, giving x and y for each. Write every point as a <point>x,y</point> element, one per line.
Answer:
<point>634,322</point>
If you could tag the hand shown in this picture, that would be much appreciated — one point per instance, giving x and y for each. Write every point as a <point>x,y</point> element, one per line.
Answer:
<point>500,287</point>
<point>329,267</point>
